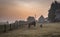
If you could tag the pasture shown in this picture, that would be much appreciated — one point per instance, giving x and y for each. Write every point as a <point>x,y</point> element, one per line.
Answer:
<point>48,30</point>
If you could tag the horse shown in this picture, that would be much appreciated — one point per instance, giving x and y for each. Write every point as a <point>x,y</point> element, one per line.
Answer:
<point>31,23</point>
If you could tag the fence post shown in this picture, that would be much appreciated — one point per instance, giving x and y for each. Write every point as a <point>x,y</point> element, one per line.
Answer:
<point>4,27</point>
<point>10,27</point>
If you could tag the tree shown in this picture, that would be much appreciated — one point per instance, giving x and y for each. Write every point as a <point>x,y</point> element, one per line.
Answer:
<point>51,14</point>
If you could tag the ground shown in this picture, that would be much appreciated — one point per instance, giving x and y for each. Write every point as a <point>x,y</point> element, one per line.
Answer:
<point>48,30</point>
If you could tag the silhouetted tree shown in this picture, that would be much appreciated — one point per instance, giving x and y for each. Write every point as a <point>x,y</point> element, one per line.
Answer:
<point>51,14</point>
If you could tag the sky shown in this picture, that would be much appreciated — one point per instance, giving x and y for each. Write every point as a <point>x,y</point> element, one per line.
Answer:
<point>11,10</point>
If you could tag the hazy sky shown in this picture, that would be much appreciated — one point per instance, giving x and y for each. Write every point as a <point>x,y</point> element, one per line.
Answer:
<point>20,9</point>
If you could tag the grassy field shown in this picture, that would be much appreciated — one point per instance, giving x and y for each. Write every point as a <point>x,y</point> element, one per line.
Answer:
<point>48,30</point>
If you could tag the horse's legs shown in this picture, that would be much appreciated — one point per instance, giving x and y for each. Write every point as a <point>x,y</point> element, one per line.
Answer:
<point>41,26</point>
<point>34,24</point>
<point>29,26</point>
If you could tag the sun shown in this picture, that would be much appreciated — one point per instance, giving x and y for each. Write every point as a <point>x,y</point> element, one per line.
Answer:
<point>26,4</point>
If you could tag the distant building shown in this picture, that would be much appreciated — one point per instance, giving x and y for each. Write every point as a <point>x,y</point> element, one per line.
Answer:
<point>41,19</point>
<point>54,12</point>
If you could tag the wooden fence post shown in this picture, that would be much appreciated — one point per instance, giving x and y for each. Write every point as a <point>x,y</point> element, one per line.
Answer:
<point>10,27</point>
<point>4,27</point>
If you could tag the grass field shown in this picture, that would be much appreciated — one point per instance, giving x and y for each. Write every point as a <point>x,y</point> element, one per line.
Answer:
<point>48,30</point>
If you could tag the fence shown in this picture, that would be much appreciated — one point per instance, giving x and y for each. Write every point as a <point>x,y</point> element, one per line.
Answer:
<point>8,27</point>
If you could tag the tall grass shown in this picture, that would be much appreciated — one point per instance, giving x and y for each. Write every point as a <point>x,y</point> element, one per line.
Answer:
<point>48,30</point>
